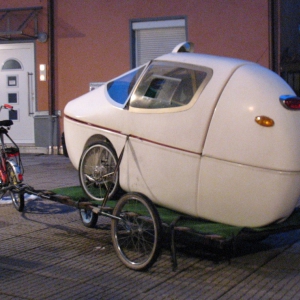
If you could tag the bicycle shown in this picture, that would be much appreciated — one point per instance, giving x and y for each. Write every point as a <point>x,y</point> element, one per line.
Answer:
<point>11,168</point>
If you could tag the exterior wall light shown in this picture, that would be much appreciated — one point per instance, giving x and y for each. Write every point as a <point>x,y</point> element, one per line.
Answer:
<point>43,75</point>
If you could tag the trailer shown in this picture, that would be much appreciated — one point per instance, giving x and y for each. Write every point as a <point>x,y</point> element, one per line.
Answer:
<point>139,228</point>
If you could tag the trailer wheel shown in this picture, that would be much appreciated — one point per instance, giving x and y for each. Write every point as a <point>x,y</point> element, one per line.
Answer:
<point>88,218</point>
<point>96,171</point>
<point>136,232</point>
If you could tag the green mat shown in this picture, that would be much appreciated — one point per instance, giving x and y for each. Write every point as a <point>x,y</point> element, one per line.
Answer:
<point>200,226</point>
<point>74,192</point>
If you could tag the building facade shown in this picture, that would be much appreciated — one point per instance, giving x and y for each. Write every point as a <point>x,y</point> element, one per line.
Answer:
<point>64,46</point>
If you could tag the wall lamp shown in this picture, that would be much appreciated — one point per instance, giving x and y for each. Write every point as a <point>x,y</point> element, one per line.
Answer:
<point>43,74</point>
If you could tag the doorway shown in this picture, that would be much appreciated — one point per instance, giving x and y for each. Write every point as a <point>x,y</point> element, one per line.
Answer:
<point>17,88</point>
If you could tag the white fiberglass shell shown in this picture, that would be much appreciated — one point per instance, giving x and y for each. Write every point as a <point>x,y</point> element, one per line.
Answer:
<point>254,91</point>
<point>253,171</point>
<point>209,158</point>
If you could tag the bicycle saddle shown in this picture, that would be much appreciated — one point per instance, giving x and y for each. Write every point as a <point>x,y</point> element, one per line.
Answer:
<point>6,123</point>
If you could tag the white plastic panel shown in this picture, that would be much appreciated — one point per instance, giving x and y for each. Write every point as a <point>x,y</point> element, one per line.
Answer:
<point>77,136</point>
<point>245,196</point>
<point>167,176</point>
<point>235,136</point>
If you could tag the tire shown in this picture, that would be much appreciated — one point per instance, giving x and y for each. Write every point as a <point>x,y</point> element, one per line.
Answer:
<point>88,218</point>
<point>137,236</point>
<point>96,168</point>
<point>64,146</point>
<point>16,197</point>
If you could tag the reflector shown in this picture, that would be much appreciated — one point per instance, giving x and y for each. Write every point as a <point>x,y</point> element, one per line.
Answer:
<point>290,102</point>
<point>264,121</point>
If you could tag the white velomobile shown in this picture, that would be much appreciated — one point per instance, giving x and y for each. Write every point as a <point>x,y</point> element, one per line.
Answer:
<point>211,137</point>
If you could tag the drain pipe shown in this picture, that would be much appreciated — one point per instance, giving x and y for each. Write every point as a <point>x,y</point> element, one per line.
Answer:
<point>274,35</point>
<point>51,89</point>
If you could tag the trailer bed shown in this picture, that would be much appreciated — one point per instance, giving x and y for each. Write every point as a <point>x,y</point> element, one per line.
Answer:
<point>214,234</point>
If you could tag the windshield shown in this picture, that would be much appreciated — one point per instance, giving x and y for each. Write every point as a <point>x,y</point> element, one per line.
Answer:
<point>167,85</point>
<point>120,88</point>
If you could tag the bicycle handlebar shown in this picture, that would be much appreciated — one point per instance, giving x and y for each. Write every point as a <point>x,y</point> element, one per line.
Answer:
<point>6,106</point>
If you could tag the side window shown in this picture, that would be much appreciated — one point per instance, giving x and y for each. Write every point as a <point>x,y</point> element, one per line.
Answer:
<point>120,88</point>
<point>166,85</point>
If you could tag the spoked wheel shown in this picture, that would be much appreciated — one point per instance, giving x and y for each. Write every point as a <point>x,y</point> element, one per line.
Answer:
<point>16,197</point>
<point>88,218</point>
<point>96,171</point>
<point>137,234</point>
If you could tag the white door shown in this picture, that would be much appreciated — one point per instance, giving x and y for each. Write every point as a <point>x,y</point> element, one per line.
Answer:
<point>17,87</point>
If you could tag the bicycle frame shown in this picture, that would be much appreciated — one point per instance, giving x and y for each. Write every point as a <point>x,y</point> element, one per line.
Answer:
<point>9,155</point>
<point>3,173</point>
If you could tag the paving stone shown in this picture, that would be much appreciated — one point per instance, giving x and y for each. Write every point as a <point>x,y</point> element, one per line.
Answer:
<point>47,253</point>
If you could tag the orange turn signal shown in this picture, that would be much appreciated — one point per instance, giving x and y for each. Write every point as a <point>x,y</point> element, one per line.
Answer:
<point>264,121</point>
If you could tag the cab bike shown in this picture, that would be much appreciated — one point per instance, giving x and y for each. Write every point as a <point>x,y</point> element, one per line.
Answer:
<point>11,168</point>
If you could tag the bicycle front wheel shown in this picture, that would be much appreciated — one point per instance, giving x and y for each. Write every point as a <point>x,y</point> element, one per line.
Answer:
<point>96,171</point>
<point>137,233</point>
<point>16,197</point>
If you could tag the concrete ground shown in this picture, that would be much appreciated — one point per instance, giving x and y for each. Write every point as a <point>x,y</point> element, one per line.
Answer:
<point>46,253</point>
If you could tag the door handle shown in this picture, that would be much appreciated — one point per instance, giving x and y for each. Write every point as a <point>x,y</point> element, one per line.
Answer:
<point>30,94</point>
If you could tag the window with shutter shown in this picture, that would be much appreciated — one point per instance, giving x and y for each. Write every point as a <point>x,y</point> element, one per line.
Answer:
<point>155,38</point>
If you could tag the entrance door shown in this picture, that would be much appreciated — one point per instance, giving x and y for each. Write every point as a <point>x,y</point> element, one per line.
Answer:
<point>17,87</point>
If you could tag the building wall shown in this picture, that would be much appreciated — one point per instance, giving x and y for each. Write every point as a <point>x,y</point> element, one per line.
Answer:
<point>92,37</point>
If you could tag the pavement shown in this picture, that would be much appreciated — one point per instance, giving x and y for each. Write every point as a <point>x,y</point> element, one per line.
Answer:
<point>47,253</point>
